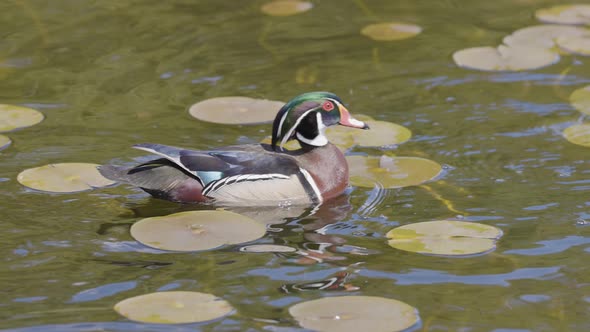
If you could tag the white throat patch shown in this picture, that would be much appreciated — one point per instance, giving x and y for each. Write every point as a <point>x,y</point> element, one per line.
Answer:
<point>320,139</point>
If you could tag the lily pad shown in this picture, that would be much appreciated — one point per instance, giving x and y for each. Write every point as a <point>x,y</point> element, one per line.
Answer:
<point>63,178</point>
<point>578,134</point>
<point>543,36</point>
<point>14,117</point>
<point>575,44</point>
<point>389,31</point>
<point>565,14</point>
<point>258,248</point>
<point>580,99</point>
<point>236,110</point>
<point>286,7</point>
<point>354,313</point>
<point>505,58</point>
<point>196,230</point>
<point>391,172</point>
<point>173,307</point>
<point>444,237</point>
<point>4,142</point>
<point>382,133</point>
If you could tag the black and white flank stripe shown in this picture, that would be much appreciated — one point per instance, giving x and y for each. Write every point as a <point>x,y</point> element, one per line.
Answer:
<point>211,187</point>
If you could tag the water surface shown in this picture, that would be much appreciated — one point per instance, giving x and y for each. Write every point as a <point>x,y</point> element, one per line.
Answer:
<point>109,74</point>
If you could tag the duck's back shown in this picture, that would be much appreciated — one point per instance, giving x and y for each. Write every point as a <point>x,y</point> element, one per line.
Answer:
<point>236,175</point>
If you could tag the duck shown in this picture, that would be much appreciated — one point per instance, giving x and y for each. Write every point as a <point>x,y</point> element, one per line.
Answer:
<point>254,174</point>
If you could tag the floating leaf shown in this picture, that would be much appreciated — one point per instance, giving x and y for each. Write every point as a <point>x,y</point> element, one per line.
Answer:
<point>578,134</point>
<point>353,313</point>
<point>173,307</point>
<point>543,36</point>
<point>381,133</point>
<point>389,31</point>
<point>236,110</point>
<point>258,248</point>
<point>286,7</point>
<point>575,44</point>
<point>444,237</point>
<point>580,99</point>
<point>4,142</point>
<point>391,172</point>
<point>14,117</point>
<point>63,178</point>
<point>504,58</point>
<point>565,14</point>
<point>196,230</point>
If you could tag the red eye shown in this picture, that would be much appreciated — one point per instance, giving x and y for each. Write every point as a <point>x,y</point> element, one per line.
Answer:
<point>327,106</point>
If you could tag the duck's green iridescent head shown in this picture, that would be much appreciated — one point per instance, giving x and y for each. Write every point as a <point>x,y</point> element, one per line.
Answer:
<point>306,116</point>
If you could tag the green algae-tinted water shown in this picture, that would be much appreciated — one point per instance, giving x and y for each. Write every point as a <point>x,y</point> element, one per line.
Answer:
<point>108,74</point>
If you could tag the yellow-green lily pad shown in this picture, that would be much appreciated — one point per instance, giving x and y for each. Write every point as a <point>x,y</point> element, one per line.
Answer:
<point>575,44</point>
<point>173,307</point>
<point>63,178</point>
<point>445,237</point>
<point>389,31</point>
<point>382,133</point>
<point>565,14</point>
<point>15,117</point>
<point>236,110</point>
<point>196,230</point>
<point>580,99</point>
<point>355,313</point>
<point>504,58</point>
<point>259,248</point>
<point>4,142</point>
<point>286,7</point>
<point>543,36</point>
<point>391,172</point>
<point>578,134</point>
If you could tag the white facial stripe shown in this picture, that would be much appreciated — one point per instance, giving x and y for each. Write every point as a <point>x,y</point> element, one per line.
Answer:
<point>320,139</point>
<point>317,141</point>
<point>281,123</point>
<point>292,129</point>
<point>313,185</point>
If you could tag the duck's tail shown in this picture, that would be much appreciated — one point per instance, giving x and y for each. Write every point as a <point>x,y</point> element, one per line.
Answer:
<point>160,178</point>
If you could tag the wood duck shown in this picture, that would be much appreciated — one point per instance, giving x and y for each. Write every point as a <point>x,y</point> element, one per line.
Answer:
<point>254,174</point>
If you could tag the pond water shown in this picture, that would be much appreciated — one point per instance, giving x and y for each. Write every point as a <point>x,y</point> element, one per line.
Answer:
<point>108,74</point>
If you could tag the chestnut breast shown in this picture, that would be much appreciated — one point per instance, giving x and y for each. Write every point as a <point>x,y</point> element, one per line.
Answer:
<point>328,167</point>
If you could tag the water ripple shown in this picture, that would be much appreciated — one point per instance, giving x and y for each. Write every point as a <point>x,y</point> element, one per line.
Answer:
<point>100,292</point>
<point>552,246</point>
<point>430,277</point>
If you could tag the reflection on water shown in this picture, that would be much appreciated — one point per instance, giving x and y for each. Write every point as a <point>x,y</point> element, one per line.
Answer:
<point>109,74</point>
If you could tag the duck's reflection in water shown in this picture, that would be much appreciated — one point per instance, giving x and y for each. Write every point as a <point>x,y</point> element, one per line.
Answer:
<point>283,223</point>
